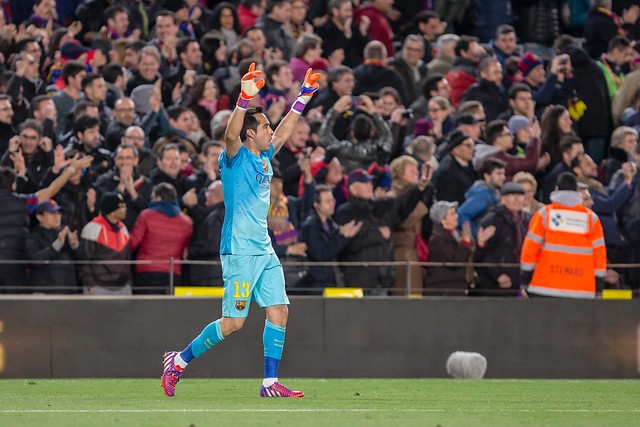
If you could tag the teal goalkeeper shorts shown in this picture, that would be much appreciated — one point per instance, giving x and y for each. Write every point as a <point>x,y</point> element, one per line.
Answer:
<point>251,277</point>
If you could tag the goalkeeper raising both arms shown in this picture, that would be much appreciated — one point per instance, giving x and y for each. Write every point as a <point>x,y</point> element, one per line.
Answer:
<point>250,268</point>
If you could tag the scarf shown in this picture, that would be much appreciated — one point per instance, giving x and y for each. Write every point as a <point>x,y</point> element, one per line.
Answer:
<point>210,106</point>
<point>40,22</point>
<point>278,222</point>
<point>614,18</point>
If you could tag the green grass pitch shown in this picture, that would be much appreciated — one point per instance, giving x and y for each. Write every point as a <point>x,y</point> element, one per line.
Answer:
<point>330,402</point>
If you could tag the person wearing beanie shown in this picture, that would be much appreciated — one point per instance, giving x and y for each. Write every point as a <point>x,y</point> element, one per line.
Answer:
<point>501,142</point>
<point>106,238</point>
<point>554,88</point>
<point>455,174</point>
<point>161,232</point>
<point>509,224</point>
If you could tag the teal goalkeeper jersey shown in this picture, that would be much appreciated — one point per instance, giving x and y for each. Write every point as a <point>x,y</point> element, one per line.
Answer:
<point>246,182</point>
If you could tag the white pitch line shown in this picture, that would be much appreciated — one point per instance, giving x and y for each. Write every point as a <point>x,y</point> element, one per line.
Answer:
<point>91,411</point>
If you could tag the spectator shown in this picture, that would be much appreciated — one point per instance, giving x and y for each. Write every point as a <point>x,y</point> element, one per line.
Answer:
<point>76,198</point>
<point>530,185</point>
<point>43,16</point>
<point>44,113</point>
<point>73,72</point>
<point>443,61</point>
<point>284,222</point>
<point>205,241</point>
<point>135,136</point>
<point>325,239</point>
<point>248,13</point>
<point>272,24</point>
<point>87,142</point>
<point>570,147</point>
<point>189,64</point>
<point>330,174</point>
<point>504,43</point>
<point>125,179</point>
<point>467,124</point>
<point>205,101</point>
<point>483,194</point>
<point>167,34</point>
<point>556,88</point>
<point>160,233</point>
<point>455,174</point>
<point>428,26</point>
<point>290,156</point>
<point>340,83</point>
<point>606,204</point>
<point>36,151</point>
<point>564,258</point>
<point>14,210</point>
<point>52,242</point>
<point>26,82</point>
<point>341,37</point>
<point>7,131</point>
<point>124,113</point>
<point>506,224</point>
<point>500,141</point>
<point>627,99</point>
<point>168,169</point>
<point>106,238</point>
<point>181,124</point>
<point>434,85</point>
<point>379,29</point>
<point>538,23</point>
<point>361,149</point>
<point>615,63</point>
<point>410,66</point>
<point>277,97</point>
<point>440,118</point>
<point>374,241</point>
<point>491,16</point>
<point>95,90</point>
<point>448,244</point>
<point>117,28</point>
<point>488,90</point>
<point>556,124</point>
<point>594,122</point>
<point>463,72</point>
<point>624,148</point>
<point>521,103</point>
<point>373,74</point>
<point>298,25</point>
<point>208,171</point>
<point>603,25</point>
<point>307,54</point>
<point>405,175</point>
<point>225,20</point>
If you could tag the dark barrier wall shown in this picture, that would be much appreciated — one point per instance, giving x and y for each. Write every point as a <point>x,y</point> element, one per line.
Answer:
<point>541,338</point>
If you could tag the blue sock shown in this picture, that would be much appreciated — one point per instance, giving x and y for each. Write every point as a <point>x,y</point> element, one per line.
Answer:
<point>273,339</point>
<point>208,338</point>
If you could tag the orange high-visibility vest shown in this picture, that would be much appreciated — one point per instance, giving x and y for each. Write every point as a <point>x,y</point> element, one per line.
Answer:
<point>564,248</point>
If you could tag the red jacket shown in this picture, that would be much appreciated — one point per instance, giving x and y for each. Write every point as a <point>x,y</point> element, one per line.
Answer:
<point>158,236</point>
<point>380,29</point>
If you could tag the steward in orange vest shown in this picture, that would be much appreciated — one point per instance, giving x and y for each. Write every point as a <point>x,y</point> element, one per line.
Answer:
<point>563,254</point>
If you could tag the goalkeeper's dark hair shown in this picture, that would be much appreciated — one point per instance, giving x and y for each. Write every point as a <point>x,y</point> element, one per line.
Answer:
<point>250,122</point>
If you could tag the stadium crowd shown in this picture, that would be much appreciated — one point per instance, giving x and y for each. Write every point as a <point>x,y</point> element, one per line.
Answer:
<point>113,113</point>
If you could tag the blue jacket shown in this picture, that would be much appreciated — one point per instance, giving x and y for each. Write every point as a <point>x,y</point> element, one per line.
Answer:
<point>478,199</point>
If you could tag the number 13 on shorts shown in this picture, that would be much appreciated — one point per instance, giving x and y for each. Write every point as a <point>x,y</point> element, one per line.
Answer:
<point>245,287</point>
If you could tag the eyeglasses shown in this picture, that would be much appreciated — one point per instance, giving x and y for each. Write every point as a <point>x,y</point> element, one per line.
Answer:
<point>468,144</point>
<point>435,110</point>
<point>481,120</point>
<point>29,137</point>
<point>130,110</point>
<point>414,49</point>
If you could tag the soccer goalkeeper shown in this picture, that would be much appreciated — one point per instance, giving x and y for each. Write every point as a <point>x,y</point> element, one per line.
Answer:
<point>250,268</point>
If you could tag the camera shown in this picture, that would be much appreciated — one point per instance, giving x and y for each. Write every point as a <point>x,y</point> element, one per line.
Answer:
<point>407,114</point>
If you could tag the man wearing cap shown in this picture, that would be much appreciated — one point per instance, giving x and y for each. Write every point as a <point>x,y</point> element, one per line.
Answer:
<point>500,142</point>
<point>14,209</point>
<point>374,241</point>
<point>555,88</point>
<point>455,174</point>
<point>510,224</point>
<point>106,238</point>
<point>50,241</point>
<point>564,253</point>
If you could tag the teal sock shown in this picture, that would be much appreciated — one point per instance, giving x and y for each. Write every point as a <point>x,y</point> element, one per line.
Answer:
<point>273,339</point>
<point>208,338</point>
